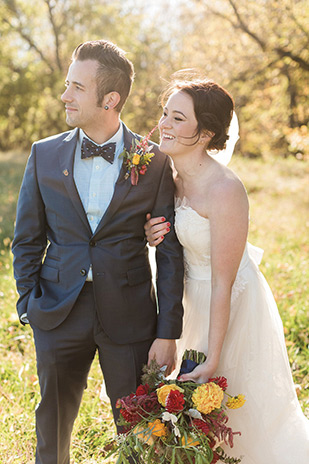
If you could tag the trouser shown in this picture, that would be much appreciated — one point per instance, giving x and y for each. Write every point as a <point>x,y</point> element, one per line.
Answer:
<point>64,357</point>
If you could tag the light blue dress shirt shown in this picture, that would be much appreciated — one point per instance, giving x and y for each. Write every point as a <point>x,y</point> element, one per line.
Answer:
<point>95,180</point>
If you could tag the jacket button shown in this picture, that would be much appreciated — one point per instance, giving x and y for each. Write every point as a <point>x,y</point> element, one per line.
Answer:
<point>83,272</point>
<point>92,243</point>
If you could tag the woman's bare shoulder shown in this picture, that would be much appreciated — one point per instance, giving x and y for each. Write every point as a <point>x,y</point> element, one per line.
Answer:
<point>226,189</point>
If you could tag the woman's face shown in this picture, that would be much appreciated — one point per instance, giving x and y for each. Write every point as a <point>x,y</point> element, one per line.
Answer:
<point>178,124</point>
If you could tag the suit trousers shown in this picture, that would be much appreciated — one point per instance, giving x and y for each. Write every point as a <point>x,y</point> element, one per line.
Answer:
<point>64,357</point>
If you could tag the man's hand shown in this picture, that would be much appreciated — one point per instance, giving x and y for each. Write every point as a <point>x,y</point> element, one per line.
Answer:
<point>164,352</point>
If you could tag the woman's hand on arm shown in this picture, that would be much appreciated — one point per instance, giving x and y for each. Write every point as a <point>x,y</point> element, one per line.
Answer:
<point>155,229</point>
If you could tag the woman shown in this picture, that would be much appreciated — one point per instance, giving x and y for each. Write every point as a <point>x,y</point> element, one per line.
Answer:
<point>230,313</point>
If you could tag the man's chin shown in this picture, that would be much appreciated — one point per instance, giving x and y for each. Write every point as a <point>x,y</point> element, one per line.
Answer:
<point>71,122</point>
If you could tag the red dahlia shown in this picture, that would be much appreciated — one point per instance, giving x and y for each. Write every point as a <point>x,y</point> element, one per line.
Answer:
<point>175,401</point>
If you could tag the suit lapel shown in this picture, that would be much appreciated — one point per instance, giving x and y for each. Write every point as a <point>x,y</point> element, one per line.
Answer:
<point>66,153</point>
<point>122,186</point>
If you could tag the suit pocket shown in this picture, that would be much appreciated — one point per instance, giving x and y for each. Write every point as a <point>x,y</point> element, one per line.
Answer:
<point>138,275</point>
<point>49,273</point>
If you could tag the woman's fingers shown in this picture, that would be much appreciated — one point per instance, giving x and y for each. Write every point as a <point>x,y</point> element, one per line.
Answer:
<point>156,241</point>
<point>159,220</point>
<point>155,229</point>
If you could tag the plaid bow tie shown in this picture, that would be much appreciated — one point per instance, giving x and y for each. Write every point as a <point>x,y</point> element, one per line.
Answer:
<point>89,149</point>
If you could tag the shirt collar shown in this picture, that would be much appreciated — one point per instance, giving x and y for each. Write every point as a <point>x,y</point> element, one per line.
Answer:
<point>117,137</point>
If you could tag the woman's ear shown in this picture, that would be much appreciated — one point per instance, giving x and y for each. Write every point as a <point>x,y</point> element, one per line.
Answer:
<point>206,137</point>
<point>111,100</point>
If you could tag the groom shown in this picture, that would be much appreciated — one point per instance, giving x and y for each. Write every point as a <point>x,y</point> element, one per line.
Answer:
<point>80,256</point>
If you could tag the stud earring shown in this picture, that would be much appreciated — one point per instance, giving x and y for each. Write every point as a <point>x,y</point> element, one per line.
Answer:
<point>106,107</point>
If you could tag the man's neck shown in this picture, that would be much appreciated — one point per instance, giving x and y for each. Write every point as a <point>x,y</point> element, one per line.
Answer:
<point>103,133</point>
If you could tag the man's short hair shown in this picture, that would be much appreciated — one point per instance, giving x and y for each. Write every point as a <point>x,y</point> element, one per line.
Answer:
<point>115,72</point>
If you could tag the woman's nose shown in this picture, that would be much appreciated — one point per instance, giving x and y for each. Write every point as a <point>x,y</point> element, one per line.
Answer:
<point>164,122</point>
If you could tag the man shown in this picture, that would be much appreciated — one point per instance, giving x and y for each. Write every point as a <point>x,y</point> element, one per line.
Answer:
<point>80,256</point>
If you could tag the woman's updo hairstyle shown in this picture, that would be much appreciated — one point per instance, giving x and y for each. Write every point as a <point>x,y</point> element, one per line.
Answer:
<point>213,107</point>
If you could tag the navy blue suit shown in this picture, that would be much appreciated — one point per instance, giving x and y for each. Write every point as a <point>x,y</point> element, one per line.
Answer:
<point>53,248</point>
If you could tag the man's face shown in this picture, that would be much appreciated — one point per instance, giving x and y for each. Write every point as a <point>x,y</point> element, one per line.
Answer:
<point>80,96</point>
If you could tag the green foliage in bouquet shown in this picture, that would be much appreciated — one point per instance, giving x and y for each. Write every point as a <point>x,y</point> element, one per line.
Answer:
<point>168,421</point>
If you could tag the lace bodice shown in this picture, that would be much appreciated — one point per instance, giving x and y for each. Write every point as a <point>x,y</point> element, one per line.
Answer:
<point>193,232</point>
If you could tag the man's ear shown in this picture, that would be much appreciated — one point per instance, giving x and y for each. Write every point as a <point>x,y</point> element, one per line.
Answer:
<point>111,100</point>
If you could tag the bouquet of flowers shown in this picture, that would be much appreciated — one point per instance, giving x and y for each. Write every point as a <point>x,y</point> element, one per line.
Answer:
<point>168,421</point>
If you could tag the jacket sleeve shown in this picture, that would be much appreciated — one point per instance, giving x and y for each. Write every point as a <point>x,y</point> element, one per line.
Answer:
<point>30,239</point>
<point>169,258</point>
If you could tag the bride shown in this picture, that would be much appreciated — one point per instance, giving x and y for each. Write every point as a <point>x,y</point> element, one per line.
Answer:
<point>230,313</point>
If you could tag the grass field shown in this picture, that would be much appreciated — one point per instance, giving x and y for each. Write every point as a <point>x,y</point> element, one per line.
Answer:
<point>279,199</point>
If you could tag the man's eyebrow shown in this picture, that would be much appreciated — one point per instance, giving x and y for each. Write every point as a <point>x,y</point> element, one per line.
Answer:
<point>76,83</point>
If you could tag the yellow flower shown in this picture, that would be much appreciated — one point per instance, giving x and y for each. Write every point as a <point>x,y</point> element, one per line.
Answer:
<point>157,428</point>
<point>236,402</point>
<point>164,391</point>
<point>207,397</point>
<point>190,441</point>
<point>144,435</point>
<point>135,159</point>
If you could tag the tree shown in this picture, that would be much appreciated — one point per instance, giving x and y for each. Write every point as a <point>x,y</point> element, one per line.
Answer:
<point>37,41</point>
<point>263,50</point>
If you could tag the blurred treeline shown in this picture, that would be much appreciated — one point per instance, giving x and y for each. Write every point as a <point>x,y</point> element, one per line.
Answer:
<point>257,49</point>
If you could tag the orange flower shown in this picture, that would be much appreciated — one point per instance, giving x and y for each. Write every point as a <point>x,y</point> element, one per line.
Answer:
<point>136,158</point>
<point>144,435</point>
<point>157,428</point>
<point>188,442</point>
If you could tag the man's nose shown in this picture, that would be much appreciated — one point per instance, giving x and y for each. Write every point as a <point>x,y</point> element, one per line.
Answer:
<point>65,97</point>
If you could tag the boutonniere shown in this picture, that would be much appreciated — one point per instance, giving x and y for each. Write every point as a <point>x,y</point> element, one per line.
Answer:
<point>138,157</point>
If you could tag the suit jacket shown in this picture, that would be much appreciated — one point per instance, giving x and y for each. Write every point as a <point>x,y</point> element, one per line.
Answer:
<point>54,246</point>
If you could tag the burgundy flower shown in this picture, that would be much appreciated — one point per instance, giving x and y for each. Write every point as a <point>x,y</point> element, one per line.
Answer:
<point>221,381</point>
<point>131,417</point>
<point>175,401</point>
<point>201,425</point>
<point>142,390</point>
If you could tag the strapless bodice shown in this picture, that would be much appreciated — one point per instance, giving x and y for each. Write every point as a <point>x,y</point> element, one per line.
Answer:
<point>193,232</point>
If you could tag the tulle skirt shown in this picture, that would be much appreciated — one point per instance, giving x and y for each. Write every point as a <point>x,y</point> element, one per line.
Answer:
<point>254,360</point>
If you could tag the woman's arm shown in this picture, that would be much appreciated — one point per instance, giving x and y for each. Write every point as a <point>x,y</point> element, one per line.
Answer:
<point>228,216</point>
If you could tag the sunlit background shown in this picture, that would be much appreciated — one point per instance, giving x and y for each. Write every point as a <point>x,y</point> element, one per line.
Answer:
<point>258,50</point>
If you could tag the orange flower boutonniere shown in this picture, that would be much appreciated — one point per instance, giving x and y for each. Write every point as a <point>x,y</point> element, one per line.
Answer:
<point>138,158</point>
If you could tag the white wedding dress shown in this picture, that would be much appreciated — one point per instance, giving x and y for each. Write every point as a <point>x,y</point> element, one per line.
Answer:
<point>254,360</point>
